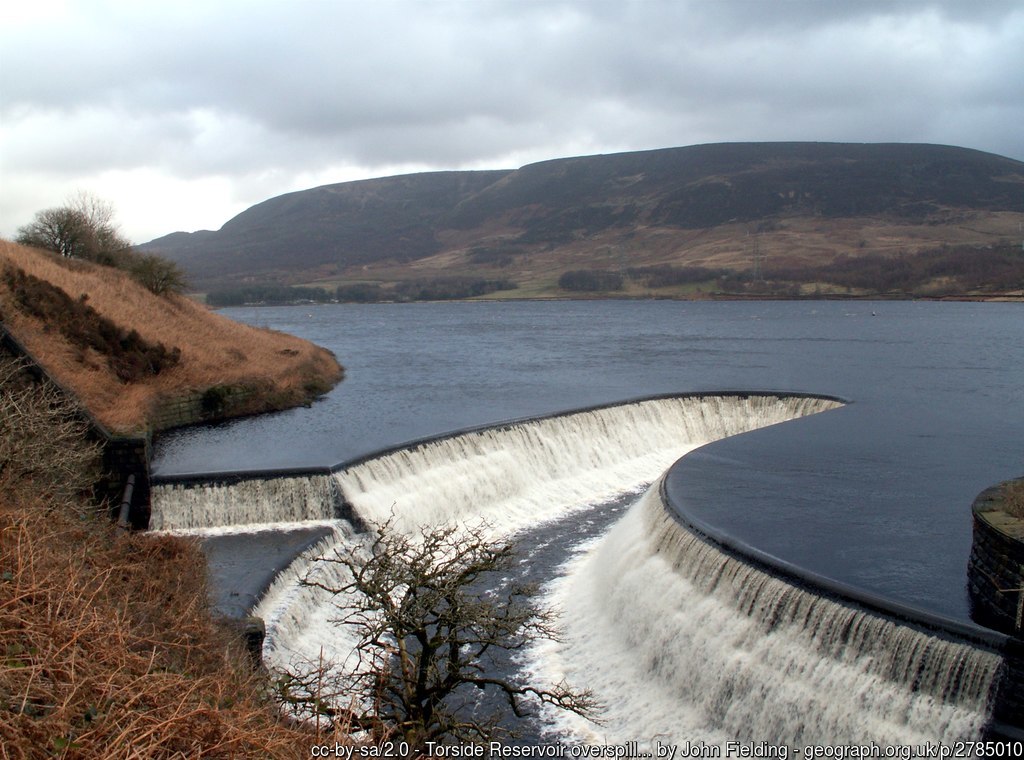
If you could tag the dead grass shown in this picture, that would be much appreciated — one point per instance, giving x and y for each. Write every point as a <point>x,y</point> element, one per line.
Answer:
<point>107,645</point>
<point>798,240</point>
<point>215,351</point>
<point>107,650</point>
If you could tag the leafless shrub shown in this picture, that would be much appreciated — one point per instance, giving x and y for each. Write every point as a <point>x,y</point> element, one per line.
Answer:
<point>43,444</point>
<point>427,619</point>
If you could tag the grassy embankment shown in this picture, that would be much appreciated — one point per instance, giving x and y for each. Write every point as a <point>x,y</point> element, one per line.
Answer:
<point>107,644</point>
<point>125,382</point>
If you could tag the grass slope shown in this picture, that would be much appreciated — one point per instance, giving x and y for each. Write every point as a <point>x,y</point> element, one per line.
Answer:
<point>125,352</point>
<point>108,647</point>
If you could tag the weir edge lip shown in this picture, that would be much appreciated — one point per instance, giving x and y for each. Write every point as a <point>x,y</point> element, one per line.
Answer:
<point>236,476</point>
<point>837,591</point>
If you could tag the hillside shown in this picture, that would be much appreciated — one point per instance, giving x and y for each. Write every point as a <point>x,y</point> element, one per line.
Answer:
<point>734,206</point>
<point>111,646</point>
<point>127,354</point>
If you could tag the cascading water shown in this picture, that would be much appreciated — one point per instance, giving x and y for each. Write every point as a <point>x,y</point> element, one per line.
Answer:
<point>514,475</point>
<point>682,642</point>
<point>243,501</point>
<point>292,644</point>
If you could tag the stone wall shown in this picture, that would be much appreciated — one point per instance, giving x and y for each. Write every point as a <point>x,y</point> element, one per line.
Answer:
<point>995,577</point>
<point>214,403</point>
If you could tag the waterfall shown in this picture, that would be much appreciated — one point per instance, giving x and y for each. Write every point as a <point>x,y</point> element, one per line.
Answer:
<point>193,505</point>
<point>298,617</point>
<point>510,474</point>
<point>514,475</point>
<point>682,642</point>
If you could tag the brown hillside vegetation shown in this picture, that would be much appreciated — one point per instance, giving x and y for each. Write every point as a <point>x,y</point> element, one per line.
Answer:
<point>109,650</point>
<point>735,206</point>
<point>125,352</point>
<point>107,645</point>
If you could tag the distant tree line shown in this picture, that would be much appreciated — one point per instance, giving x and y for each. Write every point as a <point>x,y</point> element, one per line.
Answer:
<point>659,276</point>
<point>448,288</point>
<point>271,295</point>
<point>961,268</point>
<point>591,280</point>
<point>427,289</point>
<point>430,289</point>
<point>949,269</point>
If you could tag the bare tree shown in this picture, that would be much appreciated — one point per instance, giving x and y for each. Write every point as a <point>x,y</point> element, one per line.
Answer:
<point>427,622</point>
<point>82,228</point>
<point>62,230</point>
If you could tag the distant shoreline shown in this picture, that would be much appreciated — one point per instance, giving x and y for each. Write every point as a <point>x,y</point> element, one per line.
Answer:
<point>962,298</point>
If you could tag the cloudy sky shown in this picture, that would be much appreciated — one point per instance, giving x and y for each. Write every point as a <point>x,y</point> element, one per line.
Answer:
<point>184,113</point>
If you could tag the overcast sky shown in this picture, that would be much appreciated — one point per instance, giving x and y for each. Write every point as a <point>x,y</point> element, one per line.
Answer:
<point>183,113</point>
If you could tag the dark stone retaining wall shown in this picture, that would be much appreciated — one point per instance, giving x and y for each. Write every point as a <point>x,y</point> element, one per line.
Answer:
<point>995,577</point>
<point>215,403</point>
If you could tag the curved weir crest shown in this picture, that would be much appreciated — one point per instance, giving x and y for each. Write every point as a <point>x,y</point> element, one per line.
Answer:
<point>512,476</point>
<point>513,473</point>
<point>676,636</point>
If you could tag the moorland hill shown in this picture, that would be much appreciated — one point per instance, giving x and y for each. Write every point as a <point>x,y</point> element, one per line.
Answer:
<point>734,207</point>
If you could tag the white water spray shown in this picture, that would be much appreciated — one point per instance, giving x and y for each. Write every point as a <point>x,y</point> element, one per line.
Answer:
<point>513,477</point>
<point>517,475</point>
<point>679,640</point>
<point>683,643</point>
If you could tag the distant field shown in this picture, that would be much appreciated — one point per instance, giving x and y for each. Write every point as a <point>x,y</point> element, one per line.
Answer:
<point>800,240</point>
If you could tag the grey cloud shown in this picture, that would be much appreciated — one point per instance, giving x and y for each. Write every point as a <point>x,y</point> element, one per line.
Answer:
<point>275,89</point>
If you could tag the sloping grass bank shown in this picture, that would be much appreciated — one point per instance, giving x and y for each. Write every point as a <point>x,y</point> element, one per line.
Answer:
<point>126,353</point>
<point>107,649</point>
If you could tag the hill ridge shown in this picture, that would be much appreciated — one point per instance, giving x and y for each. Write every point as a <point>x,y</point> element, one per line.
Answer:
<point>647,203</point>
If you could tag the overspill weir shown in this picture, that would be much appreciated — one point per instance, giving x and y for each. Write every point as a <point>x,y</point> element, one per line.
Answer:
<point>673,627</point>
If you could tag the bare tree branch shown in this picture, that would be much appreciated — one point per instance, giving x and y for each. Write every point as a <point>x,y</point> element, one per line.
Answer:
<point>427,617</point>
<point>43,446</point>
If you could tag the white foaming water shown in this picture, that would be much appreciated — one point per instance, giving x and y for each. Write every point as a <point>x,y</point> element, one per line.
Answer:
<point>200,505</point>
<point>300,636</point>
<point>683,643</point>
<point>513,477</point>
<point>516,475</point>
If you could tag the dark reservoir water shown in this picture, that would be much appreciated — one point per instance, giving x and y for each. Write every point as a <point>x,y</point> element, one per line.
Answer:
<point>876,494</point>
